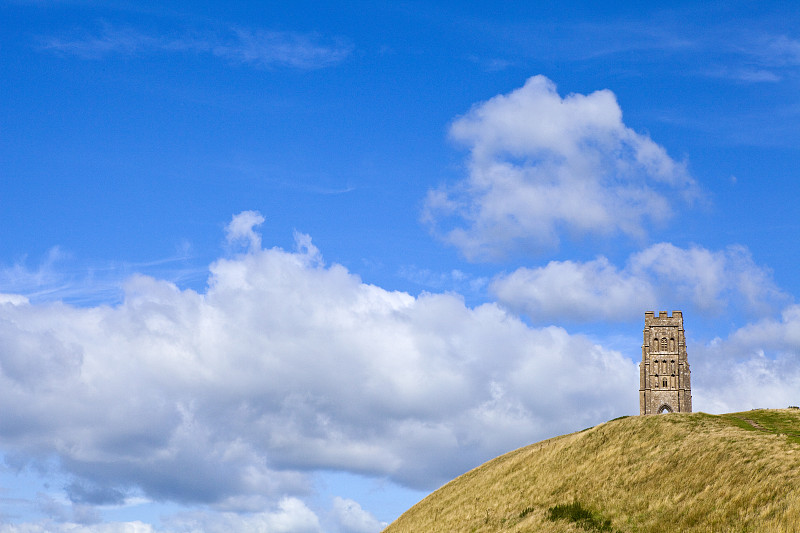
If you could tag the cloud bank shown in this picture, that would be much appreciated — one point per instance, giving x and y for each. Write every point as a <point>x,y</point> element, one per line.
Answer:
<point>290,516</point>
<point>708,281</point>
<point>284,365</point>
<point>541,165</point>
<point>758,365</point>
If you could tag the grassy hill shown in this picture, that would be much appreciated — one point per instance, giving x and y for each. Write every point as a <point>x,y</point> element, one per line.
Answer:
<point>678,472</point>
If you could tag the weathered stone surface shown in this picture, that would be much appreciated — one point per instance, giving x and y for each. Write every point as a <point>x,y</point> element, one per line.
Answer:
<point>664,378</point>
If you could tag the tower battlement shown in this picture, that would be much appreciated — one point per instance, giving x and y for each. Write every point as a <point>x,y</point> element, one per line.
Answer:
<point>662,318</point>
<point>664,376</point>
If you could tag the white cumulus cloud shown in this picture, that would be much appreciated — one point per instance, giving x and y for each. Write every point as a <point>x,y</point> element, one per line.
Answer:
<point>758,365</point>
<point>291,516</point>
<point>284,365</point>
<point>662,274</point>
<point>241,229</point>
<point>69,527</point>
<point>353,519</point>
<point>541,165</point>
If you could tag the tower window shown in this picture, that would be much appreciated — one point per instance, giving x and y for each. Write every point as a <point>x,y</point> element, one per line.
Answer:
<point>663,344</point>
<point>664,383</point>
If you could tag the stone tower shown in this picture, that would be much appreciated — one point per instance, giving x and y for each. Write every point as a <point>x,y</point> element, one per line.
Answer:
<point>664,384</point>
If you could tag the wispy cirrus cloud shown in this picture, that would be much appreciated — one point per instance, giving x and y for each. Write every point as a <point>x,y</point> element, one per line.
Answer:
<point>756,54</point>
<point>779,50</point>
<point>58,276</point>
<point>260,48</point>
<point>756,58</point>
<point>747,75</point>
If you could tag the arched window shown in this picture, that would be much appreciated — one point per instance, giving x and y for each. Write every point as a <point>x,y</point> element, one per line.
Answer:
<point>663,344</point>
<point>664,383</point>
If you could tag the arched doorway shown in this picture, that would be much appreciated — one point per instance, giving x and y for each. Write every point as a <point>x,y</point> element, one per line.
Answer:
<point>664,409</point>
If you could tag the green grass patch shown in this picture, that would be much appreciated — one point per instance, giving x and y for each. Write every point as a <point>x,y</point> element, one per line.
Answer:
<point>769,421</point>
<point>579,515</point>
<point>739,422</point>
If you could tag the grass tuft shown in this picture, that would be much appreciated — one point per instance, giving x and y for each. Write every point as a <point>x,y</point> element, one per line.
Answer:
<point>576,513</point>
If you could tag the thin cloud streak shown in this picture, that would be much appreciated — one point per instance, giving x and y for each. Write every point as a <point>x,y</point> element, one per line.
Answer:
<point>238,46</point>
<point>760,57</point>
<point>756,55</point>
<point>58,277</point>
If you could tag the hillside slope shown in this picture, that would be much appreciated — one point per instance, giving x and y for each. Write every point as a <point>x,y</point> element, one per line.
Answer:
<point>677,472</point>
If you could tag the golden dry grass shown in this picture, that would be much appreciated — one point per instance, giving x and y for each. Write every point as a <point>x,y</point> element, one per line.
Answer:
<point>680,472</point>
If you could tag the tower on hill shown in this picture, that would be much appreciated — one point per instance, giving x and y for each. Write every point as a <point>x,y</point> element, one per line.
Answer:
<point>664,384</point>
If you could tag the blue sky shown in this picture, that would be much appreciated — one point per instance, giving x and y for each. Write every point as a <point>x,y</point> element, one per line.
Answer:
<point>293,266</point>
